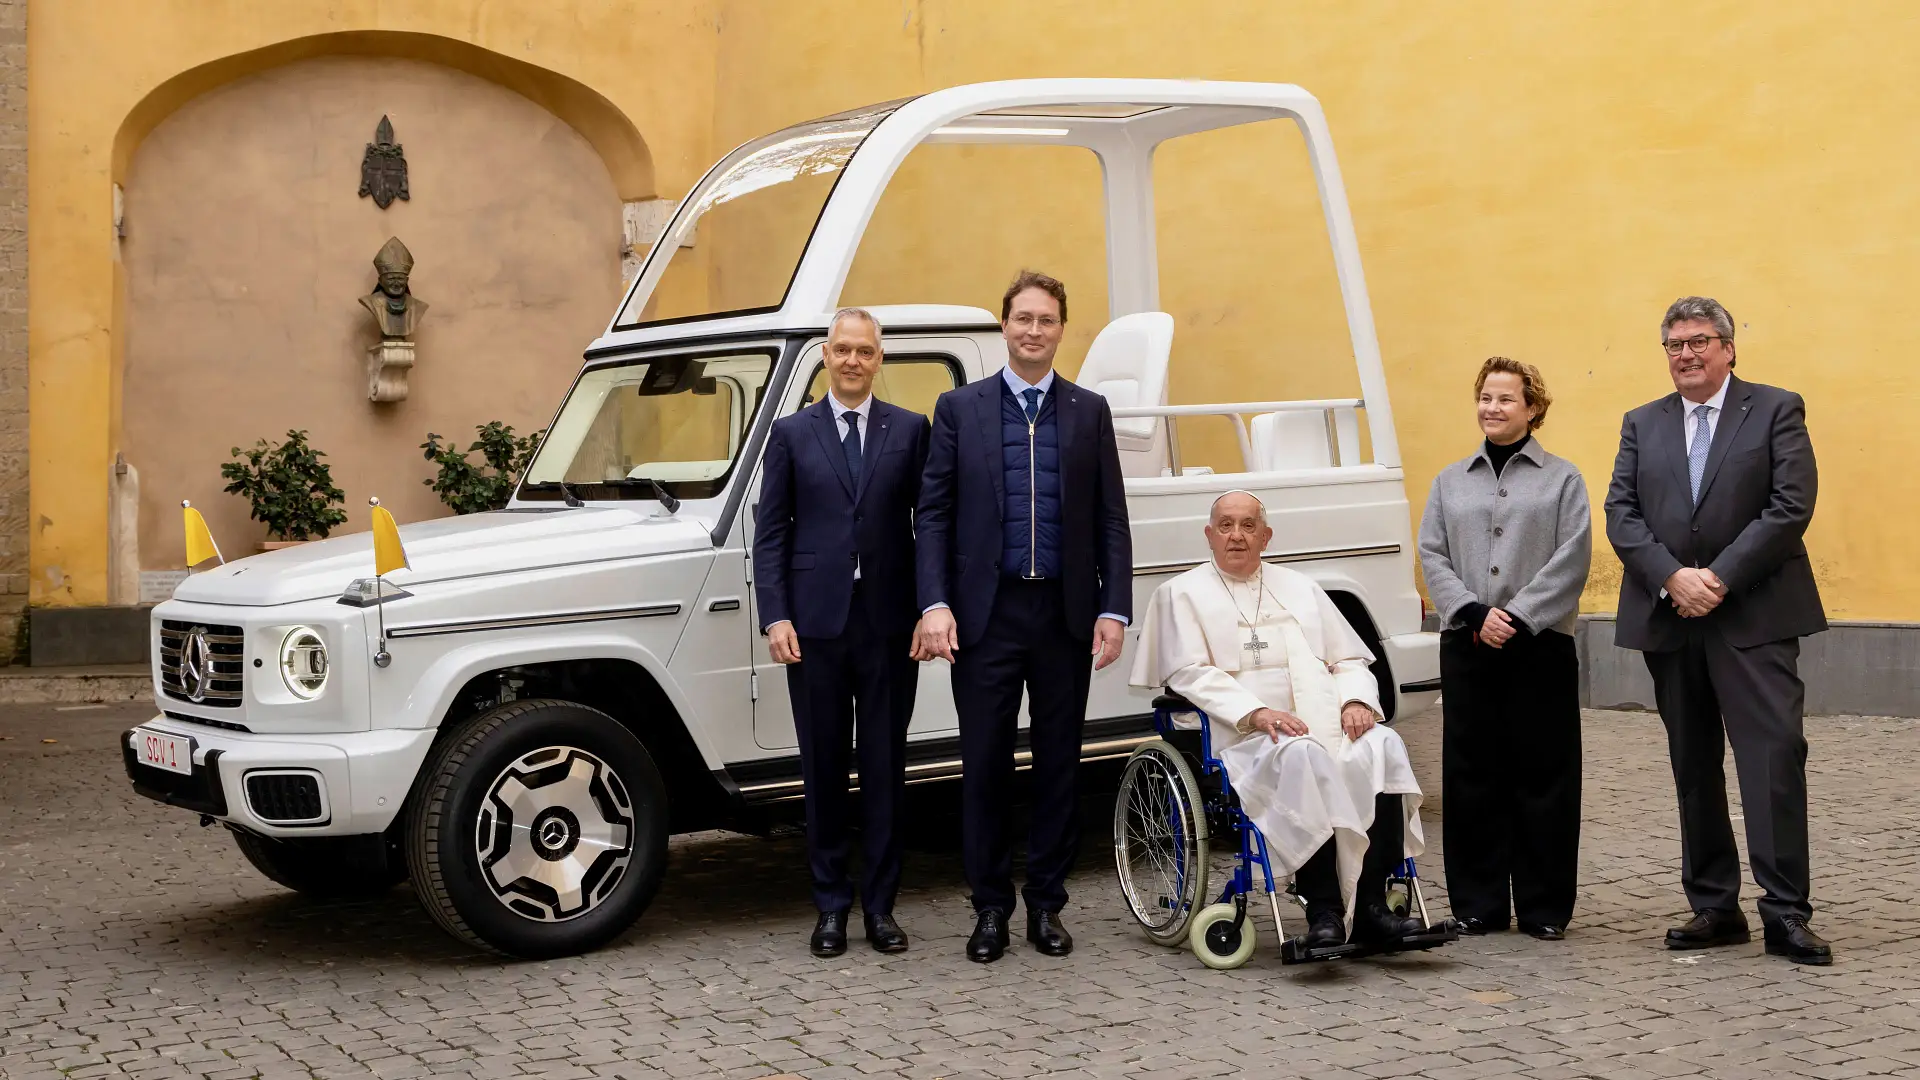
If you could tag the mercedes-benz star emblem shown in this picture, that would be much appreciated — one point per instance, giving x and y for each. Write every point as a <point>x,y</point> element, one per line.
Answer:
<point>196,664</point>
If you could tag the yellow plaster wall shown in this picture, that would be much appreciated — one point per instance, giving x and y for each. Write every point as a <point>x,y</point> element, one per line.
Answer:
<point>92,63</point>
<point>1535,180</point>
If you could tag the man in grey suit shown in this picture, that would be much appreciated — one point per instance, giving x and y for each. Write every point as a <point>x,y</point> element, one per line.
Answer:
<point>1711,494</point>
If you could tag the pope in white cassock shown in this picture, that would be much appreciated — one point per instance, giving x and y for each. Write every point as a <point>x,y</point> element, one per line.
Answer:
<point>1294,714</point>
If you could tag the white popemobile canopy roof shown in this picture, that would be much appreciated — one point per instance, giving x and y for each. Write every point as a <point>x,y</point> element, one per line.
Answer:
<point>1121,121</point>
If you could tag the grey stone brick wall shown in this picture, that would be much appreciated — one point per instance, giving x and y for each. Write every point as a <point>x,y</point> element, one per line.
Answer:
<point>13,322</point>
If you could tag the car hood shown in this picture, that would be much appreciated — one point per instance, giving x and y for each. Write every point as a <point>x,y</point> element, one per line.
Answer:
<point>446,549</point>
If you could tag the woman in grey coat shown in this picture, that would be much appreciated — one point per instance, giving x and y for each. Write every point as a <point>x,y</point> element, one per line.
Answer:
<point>1505,545</point>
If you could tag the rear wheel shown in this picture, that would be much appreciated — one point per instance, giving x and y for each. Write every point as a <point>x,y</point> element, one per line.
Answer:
<point>325,867</point>
<point>539,830</point>
<point>1160,841</point>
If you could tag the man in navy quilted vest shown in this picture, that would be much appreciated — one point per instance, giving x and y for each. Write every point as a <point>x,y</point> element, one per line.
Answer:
<point>1025,568</point>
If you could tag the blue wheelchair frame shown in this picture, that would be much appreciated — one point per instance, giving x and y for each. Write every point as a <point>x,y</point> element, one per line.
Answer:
<point>1253,843</point>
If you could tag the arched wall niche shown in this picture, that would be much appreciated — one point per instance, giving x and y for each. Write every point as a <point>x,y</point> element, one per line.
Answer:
<point>603,125</point>
<point>247,248</point>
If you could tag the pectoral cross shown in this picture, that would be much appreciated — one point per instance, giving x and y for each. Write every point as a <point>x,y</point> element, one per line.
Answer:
<point>1255,646</point>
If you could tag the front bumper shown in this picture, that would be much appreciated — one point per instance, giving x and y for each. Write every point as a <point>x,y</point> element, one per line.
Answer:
<point>364,776</point>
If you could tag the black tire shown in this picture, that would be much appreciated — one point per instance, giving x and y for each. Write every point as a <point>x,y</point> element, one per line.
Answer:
<point>459,881</point>
<point>324,867</point>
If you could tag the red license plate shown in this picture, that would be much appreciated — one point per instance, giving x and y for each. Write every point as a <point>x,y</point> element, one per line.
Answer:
<point>173,753</point>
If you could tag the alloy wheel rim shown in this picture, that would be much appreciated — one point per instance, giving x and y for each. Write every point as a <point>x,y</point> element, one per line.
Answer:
<point>554,835</point>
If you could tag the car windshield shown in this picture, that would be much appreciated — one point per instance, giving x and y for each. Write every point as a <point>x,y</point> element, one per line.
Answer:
<point>735,245</point>
<point>679,421</point>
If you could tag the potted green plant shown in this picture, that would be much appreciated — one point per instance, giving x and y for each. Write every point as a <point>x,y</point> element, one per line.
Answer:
<point>289,488</point>
<point>470,488</point>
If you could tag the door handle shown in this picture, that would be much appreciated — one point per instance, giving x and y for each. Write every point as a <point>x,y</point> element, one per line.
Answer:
<point>724,603</point>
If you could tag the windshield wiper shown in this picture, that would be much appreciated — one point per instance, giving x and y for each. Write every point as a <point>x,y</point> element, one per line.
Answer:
<point>668,502</point>
<point>671,504</point>
<point>565,490</point>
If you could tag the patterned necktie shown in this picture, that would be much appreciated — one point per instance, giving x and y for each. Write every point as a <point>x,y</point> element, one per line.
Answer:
<point>1033,404</point>
<point>851,444</point>
<point>1697,450</point>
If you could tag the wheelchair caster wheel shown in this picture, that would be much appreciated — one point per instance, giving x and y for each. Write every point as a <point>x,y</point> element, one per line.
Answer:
<point>1217,942</point>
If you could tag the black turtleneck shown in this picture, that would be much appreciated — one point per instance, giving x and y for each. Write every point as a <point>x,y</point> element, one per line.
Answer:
<point>1500,455</point>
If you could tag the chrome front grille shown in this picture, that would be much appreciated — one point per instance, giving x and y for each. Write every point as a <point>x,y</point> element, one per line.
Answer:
<point>204,663</point>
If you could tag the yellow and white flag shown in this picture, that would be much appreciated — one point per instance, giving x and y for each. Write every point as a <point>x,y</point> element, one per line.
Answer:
<point>200,545</point>
<point>388,553</point>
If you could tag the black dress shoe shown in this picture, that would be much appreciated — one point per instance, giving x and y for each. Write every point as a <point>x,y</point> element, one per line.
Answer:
<point>1544,931</point>
<point>829,934</point>
<point>989,938</point>
<point>1326,927</point>
<point>1046,933</point>
<point>884,934</point>
<point>1793,939</point>
<point>1475,926</point>
<point>1376,924</point>
<point>1710,928</point>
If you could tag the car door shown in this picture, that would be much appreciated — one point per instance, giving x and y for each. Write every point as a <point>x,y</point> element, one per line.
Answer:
<point>916,372</point>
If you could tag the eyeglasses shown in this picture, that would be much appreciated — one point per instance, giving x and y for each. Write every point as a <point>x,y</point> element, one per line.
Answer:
<point>1026,322</point>
<point>1698,342</point>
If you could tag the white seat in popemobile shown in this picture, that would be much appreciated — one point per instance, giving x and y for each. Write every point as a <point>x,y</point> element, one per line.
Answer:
<point>1289,440</point>
<point>1127,365</point>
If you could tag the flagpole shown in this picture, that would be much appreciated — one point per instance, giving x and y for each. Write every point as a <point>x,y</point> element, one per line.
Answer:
<point>381,657</point>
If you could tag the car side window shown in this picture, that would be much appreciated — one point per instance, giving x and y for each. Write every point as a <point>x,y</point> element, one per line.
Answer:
<point>911,382</point>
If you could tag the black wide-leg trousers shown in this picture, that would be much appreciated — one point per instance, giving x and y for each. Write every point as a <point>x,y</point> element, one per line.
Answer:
<point>1510,776</point>
<point>854,693</point>
<point>1712,693</point>
<point>1027,645</point>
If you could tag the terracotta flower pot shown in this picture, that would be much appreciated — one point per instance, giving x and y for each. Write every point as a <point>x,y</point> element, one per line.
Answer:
<point>276,545</point>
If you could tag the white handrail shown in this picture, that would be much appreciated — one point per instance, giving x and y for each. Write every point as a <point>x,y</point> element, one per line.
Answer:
<point>1239,407</point>
<point>1342,445</point>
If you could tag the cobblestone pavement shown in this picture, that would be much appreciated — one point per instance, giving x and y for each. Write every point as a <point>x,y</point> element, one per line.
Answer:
<point>133,943</point>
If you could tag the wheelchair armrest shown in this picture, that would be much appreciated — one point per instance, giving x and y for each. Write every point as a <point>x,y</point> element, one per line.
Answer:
<point>1174,702</point>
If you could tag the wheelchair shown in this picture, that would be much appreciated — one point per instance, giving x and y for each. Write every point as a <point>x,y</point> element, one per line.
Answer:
<point>1174,797</point>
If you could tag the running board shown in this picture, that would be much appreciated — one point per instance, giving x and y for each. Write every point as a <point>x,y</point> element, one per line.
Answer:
<point>775,780</point>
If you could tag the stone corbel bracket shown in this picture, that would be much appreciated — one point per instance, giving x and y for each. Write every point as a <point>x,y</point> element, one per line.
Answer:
<point>388,363</point>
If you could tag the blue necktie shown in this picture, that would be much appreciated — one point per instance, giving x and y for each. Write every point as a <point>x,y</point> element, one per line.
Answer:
<point>1033,404</point>
<point>1697,450</point>
<point>851,444</point>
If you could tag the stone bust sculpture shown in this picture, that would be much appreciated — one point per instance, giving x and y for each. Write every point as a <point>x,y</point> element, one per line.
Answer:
<point>394,307</point>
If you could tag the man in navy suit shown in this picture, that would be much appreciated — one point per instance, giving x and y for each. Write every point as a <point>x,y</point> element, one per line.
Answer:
<point>1026,580</point>
<point>834,577</point>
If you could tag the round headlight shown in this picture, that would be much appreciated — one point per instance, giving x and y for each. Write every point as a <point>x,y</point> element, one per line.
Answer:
<point>303,662</point>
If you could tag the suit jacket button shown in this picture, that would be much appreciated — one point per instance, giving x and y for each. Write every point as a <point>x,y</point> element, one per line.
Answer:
<point>1496,571</point>
<point>1503,493</point>
<point>1498,531</point>
<point>996,564</point>
<point>1696,528</point>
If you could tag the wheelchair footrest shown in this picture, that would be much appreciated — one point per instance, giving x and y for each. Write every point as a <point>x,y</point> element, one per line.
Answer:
<point>1295,951</point>
<point>1441,933</point>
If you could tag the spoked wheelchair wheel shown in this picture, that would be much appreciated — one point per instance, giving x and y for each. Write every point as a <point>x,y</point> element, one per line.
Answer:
<point>1160,841</point>
<point>1217,941</point>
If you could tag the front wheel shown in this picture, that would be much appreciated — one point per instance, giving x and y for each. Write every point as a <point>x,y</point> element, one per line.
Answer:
<point>1222,937</point>
<point>539,830</point>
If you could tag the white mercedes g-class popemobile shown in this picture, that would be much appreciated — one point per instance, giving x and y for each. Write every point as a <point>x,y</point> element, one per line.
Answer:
<point>519,721</point>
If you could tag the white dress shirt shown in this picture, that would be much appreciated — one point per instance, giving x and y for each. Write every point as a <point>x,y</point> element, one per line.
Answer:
<point>1714,404</point>
<point>1018,385</point>
<point>865,410</point>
